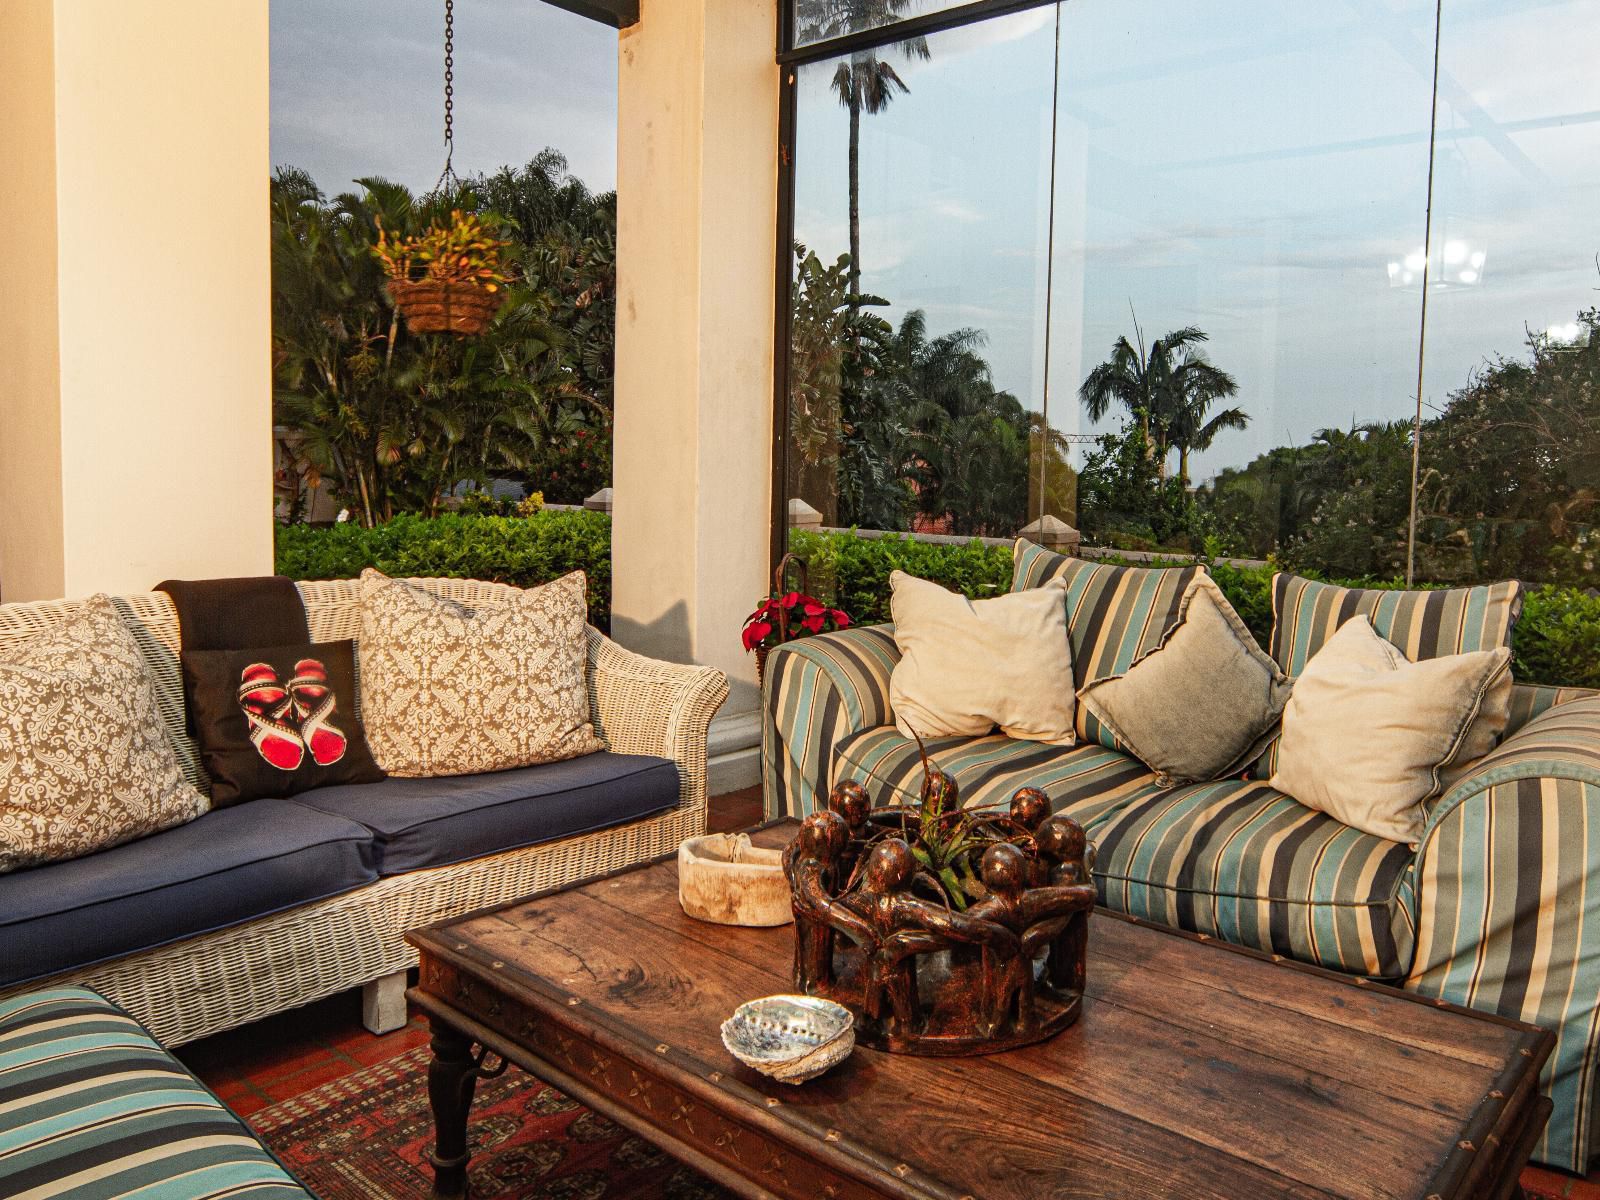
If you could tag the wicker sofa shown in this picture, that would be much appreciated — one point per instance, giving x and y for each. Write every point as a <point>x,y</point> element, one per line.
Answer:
<point>1497,907</point>
<point>245,965</point>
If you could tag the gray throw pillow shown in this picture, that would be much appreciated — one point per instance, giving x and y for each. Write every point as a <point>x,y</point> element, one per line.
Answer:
<point>1204,703</point>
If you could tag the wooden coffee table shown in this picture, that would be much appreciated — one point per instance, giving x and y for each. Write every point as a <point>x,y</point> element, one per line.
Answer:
<point>1196,1070</point>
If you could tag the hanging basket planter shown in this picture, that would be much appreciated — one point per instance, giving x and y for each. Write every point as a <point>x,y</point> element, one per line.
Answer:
<point>445,305</point>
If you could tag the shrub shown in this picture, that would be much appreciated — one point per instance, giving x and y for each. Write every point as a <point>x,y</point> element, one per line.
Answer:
<point>1557,641</point>
<point>519,550</point>
<point>853,572</point>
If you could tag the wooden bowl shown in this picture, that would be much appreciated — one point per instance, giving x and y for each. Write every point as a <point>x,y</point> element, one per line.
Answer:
<point>723,879</point>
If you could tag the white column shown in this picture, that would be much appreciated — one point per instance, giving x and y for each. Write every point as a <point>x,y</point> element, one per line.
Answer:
<point>135,291</point>
<point>696,227</point>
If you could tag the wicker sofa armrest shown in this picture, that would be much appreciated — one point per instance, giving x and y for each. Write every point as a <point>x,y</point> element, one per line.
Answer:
<point>819,690</point>
<point>1507,897</point>
<point>645,706</point>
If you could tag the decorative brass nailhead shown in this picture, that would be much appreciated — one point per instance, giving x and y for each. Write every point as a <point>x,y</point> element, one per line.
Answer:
<point>495,966</point>
<point>1497,1094</point>
<point>715,1077</point>
<point>573,1002</point>
<point>662,1048</point>
<point>833,1135</point>
<point>1525,1052</point>
<point>1464,1144</point>
<point>773,1102</point>
<point>461,945</point>
<point>902,1170</point>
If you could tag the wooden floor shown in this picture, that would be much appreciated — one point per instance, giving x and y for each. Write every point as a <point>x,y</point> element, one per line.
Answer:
<point>275,1059</point>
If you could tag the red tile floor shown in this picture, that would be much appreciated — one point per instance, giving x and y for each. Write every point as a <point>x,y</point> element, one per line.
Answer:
<point>272,1060</point>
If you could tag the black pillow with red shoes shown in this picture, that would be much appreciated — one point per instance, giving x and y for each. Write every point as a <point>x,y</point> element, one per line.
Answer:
<point>276,721</point>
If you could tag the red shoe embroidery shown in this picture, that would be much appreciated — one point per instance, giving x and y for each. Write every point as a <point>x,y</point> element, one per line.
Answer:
<point>266,705</point>
<point>314,704</point>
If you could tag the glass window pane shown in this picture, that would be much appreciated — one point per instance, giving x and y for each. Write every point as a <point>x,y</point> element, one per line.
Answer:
<point>1511,443</point>
<point>822,20</point>
<point>928,165</point>
<point>1234,180</point>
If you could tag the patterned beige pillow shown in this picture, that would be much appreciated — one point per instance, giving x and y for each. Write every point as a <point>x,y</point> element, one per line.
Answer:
<point>85,761</point>
<point>452,690</point>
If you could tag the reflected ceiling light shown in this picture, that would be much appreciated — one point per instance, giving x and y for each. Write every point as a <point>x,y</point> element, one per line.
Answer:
<point>1456,263</point>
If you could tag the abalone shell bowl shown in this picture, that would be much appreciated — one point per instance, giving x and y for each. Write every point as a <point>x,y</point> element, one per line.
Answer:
<point>790,1038</point>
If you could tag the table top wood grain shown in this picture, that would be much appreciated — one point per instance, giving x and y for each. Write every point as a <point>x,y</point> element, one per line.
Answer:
<point>1196,1069</point>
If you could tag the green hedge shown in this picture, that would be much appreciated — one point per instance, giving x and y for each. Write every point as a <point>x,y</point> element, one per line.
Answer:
<point>518,550</point>
<point>1558,639</point>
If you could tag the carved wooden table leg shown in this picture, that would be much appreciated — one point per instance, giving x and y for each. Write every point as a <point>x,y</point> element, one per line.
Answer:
<point>452,1079</point>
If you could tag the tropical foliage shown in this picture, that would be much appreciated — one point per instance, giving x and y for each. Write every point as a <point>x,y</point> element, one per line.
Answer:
<point>1508,471</point>
<point>396,423</point>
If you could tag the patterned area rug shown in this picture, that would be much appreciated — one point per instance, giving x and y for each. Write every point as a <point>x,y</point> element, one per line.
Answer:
<point>367,1136</point>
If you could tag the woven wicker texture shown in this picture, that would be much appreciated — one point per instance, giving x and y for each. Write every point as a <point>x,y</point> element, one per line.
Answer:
<point>206,984</point>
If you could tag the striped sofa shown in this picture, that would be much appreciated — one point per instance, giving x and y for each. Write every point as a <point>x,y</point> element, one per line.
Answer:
<point>1494,908</point>
<point>91,1107</point>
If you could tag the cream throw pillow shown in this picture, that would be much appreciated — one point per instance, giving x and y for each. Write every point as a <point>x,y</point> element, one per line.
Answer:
<point>448,689</point>
<point>969,665</point>
<point>85,761</point>
<point>1369,736</point>
<point>1204,703</point>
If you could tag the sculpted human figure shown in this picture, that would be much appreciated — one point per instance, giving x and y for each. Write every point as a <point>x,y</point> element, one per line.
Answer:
<point>1069,861</point>
<point>905,926</point>
<point>1035,915</point>
<point>811,864</point>
<point>849,800</point>
<point>1029,807</point>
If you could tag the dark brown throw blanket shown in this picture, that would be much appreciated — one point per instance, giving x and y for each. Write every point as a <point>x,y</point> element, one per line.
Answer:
<point>235,614</point>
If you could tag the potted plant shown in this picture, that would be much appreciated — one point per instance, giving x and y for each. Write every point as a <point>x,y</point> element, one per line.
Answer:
<point>786,615</point>
<point>446,279</point>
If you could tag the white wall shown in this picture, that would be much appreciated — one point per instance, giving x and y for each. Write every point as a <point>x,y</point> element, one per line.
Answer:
<point>697,215</point>
<point>136,435</point>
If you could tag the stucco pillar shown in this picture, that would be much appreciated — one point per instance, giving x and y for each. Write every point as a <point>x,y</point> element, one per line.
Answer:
<point>135,292</point>
<point>696,222</point>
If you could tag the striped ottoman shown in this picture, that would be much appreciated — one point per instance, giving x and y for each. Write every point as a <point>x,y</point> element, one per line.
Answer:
<point>91,1107</point>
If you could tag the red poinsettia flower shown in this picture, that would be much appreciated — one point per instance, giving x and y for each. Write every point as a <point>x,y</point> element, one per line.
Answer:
<point>841,618</point>
<point>755,633</point>
<point>813,609</point>
<point>813,623</point>
<point>791,599</point>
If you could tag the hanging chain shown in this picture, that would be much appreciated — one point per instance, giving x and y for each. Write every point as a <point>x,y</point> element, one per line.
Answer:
<point>448,175</point>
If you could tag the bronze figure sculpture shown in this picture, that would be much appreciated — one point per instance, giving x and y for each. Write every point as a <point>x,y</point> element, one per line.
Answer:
<point>945,930</point>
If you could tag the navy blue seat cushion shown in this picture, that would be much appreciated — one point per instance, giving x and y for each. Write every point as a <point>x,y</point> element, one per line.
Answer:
<point>229,866</point>
<point>435,822</point>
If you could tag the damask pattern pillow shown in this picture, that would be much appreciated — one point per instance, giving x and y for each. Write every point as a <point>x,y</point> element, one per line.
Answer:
<point>1115,616</point>
<point>85,761</point>
<point>448,689</point>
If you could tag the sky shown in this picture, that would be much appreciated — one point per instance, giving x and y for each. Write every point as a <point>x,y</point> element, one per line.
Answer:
<point>357,89</point>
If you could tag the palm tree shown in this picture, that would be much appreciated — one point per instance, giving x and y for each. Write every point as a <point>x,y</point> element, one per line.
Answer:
<point>864,84</point>
<point>1168,388</point>
<point>1196,385</point>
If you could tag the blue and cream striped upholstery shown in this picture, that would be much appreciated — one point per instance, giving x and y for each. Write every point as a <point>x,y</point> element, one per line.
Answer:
<point>1528,700</point>
<point>819,690</point>
<point>1085,782</point>
<point>1115,615</point>
<point>1244,863</point>
<point>1423,624</point>
<point>92,1108</point>
<point>1508,904</point>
